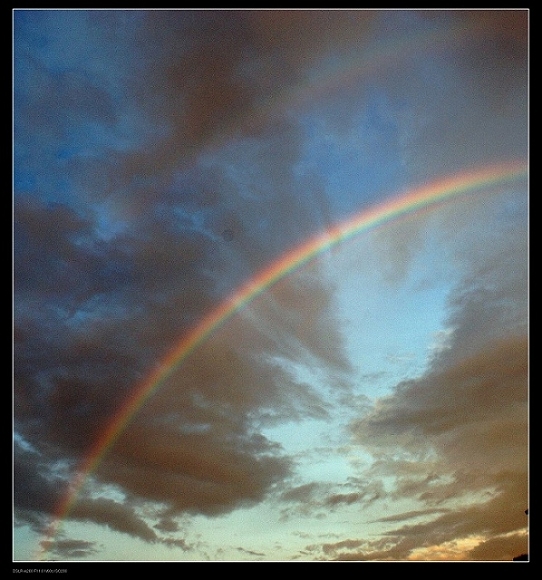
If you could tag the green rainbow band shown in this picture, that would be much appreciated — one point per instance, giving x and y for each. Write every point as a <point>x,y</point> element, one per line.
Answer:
<point>410,202</point>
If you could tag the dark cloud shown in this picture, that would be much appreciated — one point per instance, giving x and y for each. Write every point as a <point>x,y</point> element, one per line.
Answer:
<point>323,498</point>
<point>75,363</point>
<point>117,516</point>
<point>476,97</point>
<point>411,514</point>
<point>509,546</point>
<point>167,524</point>
<point>250,552</point>
<point>176,543</point>
<point>301,492</point>
<point>69,549</point>
<point>37,489</point>
<point>206,78</point>
<point>492,383</point>
<point>344,498</point>
<point>199,473</point>
<point>331,549</point>
<point>219,66</point>
<point>491,300</point>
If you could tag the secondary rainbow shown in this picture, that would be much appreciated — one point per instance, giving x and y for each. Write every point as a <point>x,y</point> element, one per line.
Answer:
<point>409,202</point>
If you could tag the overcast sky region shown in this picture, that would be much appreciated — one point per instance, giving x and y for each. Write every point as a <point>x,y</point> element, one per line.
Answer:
<point>370,404</point>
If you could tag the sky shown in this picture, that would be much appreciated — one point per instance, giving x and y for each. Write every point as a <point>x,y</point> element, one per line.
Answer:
<point>370,403</point>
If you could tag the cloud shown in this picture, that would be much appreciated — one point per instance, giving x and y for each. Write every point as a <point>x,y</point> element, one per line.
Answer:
<point>115,515</point>
<point>457,535</point>
<point>107,285</point>
<point>167,524</point>
<point>301,492</point>
<point>78,357</point>
<point>485,113</point>
<point>204,79</point>
<point>509,545</point>
<point>455,441</point>
<point>320,499</point>
<point>411,514</point>
<point>176,543</point>
<point>195,473</point>
<point>69,549</point>
<point>471,414</point>
<point>344,499</point>
<point>250,552</point>
<point>331,549</point>
<point>490,382</point>
<point>37,488</point>
<point>225,63</point>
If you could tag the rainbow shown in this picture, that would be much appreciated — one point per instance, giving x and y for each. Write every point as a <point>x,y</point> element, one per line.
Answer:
<point>410,202</point>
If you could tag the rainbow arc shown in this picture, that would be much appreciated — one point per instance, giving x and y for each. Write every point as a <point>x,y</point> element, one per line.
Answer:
<point>414,200</point>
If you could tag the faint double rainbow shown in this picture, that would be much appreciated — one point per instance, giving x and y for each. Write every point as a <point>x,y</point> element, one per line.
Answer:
<point>319,83</point>
<point>407,203</point>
